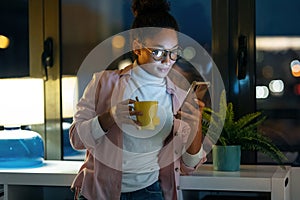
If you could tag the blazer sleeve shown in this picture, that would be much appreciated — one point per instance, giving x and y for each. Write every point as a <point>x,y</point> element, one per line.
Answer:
<point>85,129</point>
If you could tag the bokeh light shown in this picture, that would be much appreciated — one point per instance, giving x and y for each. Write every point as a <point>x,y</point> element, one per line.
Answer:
<point>4,42</point>
<point>189,53</point>
<point>262,92</point>
<point>276,87</point>
<point>295,68</point>
<point>118,41</point>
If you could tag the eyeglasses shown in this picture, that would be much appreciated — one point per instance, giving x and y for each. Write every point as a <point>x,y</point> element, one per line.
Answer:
<point>160,54</point>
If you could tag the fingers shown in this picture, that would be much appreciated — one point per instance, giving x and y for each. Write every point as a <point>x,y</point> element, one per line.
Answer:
<point>124,105</point>
<point>190,113</point>
<point>125,117</point>
<point>200,103</point>
<point>130,101</point>
<point>189,116</point>
<point>189,108</point>
<point>123,112</point>
<point>128,113</point>
<point>134,112</point>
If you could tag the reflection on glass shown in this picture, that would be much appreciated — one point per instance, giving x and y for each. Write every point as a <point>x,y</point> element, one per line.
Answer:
<point>69,101</point>
<point>69,95</point>
<point>21,104</point>
<point>278,44</point>
<point>14,39</point>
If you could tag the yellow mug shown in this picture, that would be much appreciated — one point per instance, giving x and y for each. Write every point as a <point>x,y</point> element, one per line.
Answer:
<point>149,119</point>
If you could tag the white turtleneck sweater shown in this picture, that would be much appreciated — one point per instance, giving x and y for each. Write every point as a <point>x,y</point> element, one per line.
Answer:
<point>141,147</point>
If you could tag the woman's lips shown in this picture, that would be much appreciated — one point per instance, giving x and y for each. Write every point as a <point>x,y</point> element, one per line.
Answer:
<point>164,70</point>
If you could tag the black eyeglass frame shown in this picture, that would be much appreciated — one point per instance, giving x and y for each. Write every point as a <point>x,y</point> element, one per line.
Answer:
<point>165,52</point>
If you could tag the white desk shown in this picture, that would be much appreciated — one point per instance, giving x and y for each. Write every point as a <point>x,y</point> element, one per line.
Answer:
<point>28,183</point>
<point>251,178</point>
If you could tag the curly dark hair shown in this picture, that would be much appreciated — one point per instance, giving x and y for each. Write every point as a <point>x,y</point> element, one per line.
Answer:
<point>153,13</point>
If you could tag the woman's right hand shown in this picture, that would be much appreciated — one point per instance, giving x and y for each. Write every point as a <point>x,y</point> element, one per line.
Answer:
<point>120,114</point>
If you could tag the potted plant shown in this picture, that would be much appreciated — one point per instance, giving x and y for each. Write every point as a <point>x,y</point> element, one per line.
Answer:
<point>231,135</point>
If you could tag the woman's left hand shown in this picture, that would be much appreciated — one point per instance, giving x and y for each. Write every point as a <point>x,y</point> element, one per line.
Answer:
<point>192,114</point>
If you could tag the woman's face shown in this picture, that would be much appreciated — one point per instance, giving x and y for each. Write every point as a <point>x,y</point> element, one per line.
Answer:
<point>166,39</point>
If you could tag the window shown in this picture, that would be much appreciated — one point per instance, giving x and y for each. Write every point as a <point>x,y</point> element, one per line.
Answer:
<point>277,86</point>
<point>14,39</point>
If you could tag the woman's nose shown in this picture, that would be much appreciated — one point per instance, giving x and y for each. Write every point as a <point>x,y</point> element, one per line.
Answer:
<point>166,58</point>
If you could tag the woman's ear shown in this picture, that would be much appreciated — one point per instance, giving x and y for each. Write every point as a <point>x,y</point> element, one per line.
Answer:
<point>136,46</point>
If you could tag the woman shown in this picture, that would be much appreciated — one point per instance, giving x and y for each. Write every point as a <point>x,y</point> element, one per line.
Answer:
<point>122,161</point>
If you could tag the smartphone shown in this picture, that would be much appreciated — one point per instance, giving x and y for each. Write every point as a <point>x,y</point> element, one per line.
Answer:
<point>196,90</point>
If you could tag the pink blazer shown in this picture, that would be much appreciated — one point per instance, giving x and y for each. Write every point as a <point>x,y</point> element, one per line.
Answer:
<point>100,175</point>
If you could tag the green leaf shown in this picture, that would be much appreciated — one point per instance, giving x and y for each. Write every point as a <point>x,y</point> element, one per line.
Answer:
<point>221,127</point>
